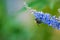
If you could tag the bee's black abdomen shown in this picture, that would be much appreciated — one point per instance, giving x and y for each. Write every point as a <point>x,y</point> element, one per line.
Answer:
<point>38,21</point>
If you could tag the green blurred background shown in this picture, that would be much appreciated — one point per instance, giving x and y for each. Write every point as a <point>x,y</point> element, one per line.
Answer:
<point>17,22</point>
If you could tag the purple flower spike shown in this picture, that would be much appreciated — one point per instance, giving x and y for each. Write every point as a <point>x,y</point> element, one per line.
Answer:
<point>47,19</point>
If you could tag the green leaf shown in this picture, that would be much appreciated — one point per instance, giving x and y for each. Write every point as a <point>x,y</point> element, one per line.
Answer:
<point>38,4</point>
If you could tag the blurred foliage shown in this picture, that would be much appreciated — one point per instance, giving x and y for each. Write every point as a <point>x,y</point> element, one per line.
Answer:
<point>21,25</point>
<point>49,6</point>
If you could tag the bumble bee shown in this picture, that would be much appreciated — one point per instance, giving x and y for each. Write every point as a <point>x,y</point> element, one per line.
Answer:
<point>38,21</point>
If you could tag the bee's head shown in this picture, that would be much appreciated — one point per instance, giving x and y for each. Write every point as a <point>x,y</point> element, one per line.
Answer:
<point>38,21</point>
